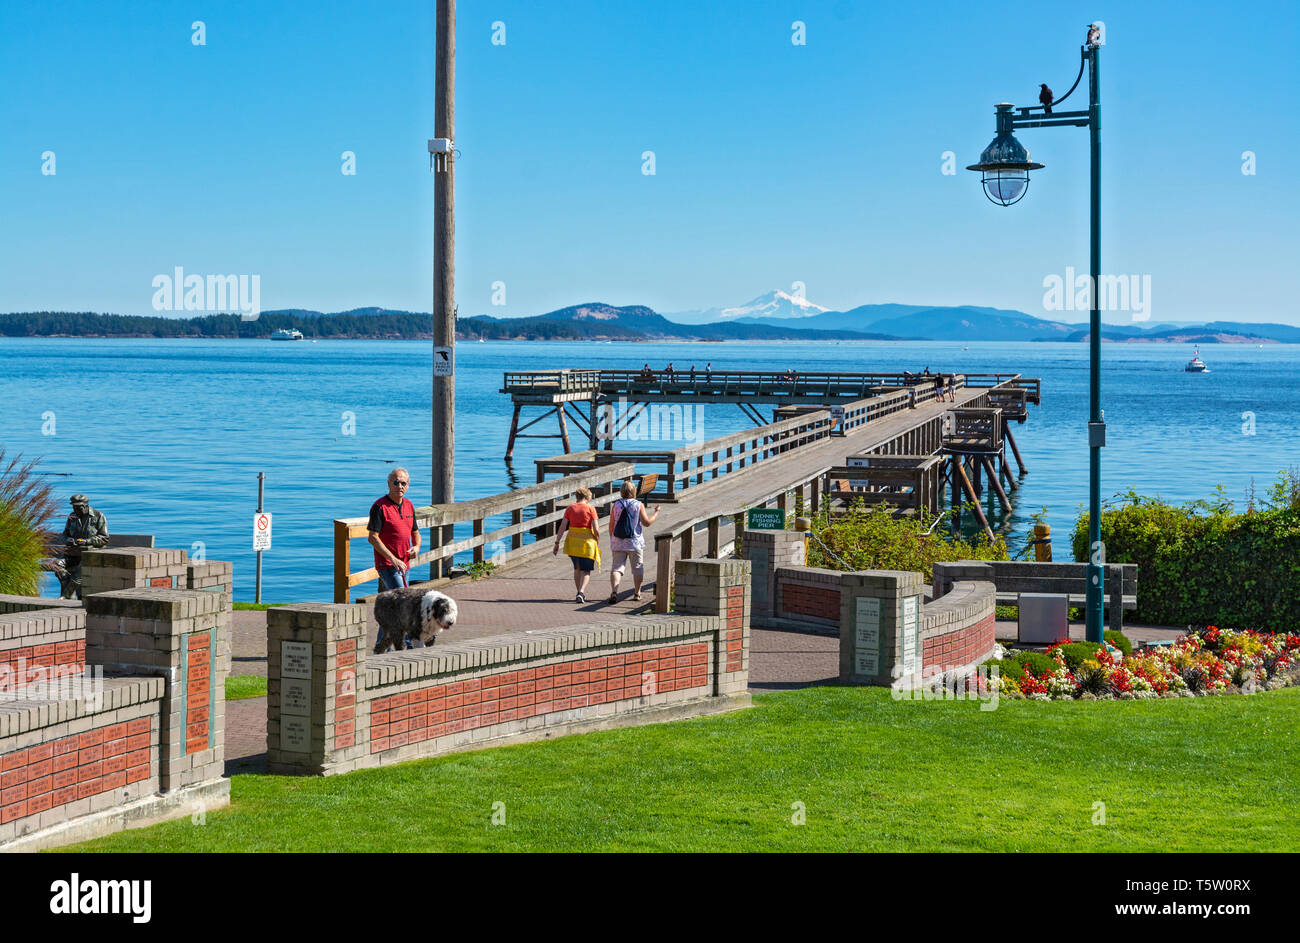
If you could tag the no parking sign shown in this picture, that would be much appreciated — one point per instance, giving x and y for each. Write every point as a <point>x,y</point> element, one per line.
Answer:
<point>262,530</point>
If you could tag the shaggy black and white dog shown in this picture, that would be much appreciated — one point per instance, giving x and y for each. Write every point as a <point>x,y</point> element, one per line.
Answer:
<point>412,612</point>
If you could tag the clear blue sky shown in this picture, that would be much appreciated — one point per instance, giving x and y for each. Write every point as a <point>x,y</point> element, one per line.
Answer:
<point>776,163</point>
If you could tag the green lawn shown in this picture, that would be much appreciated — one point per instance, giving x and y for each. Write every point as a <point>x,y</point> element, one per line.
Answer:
<point>1204,774</point>
<point>242,686</point>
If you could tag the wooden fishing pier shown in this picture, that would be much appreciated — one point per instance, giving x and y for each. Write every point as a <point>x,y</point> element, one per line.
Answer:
<point>834,439</point>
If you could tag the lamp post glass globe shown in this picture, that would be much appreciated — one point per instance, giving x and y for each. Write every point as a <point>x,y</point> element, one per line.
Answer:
<point>1005,186</point>
<point>1004,165</point>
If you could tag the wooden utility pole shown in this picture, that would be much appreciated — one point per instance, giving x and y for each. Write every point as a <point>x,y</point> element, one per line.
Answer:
<point>444,260</point>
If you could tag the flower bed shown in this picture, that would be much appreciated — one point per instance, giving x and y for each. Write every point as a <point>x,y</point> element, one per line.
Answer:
<point>1208,661</point>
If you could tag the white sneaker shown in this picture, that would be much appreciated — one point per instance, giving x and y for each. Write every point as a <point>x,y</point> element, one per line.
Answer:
<point>581,598</point>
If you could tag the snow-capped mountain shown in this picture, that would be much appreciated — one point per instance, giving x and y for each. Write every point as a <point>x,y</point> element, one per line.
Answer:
<point>773,304</point>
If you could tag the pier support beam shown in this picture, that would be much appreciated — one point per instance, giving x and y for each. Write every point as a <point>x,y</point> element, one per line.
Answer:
<point>1006,473</point>
<point>1020,462</point>
<point>997,485</point>
<point>974,500</point>
<point>514,431</point>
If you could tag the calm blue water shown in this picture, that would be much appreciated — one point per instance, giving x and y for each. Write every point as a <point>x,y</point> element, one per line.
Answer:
<point>167,436</point>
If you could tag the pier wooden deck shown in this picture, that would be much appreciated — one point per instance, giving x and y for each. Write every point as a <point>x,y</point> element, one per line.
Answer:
<point>537,592</point>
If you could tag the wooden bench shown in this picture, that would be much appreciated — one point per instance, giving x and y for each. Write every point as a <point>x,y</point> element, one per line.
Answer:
<point>1013,577</point>
<point>130,540</point>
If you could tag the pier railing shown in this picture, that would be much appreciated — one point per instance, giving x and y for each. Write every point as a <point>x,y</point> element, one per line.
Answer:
<point>552,381</point>
<point>442,518</point>
<point>720,530</point>
<point>695,466</point>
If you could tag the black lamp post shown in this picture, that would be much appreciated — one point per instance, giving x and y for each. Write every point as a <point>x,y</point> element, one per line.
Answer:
<point>1004,171</point>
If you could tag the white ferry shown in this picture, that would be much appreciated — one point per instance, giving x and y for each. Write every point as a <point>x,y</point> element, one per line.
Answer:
<point>287,334</point>
<point>1196,364</point>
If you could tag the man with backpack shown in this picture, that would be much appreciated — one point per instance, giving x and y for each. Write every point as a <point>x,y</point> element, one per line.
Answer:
<point>626,542</point>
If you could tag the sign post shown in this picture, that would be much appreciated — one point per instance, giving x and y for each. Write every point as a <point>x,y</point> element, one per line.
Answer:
<point>261,534</point>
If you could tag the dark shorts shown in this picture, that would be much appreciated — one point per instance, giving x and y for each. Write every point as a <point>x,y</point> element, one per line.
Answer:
<point>583,563</point>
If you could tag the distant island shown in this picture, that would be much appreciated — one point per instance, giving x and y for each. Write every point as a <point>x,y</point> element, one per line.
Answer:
<point>774,316</point>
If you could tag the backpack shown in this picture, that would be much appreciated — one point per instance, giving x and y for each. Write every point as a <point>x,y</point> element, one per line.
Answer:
<point>623,530</point>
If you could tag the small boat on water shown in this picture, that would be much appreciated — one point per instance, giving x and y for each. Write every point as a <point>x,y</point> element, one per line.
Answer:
<point>1196,364</point>
<point>287,334</point>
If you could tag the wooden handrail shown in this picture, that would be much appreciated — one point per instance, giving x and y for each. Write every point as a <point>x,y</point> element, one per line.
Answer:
<point>684,532</point>
<point>442,517</point>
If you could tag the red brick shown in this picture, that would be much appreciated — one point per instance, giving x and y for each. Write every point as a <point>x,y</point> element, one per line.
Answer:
<point>15,811</point>
<point>87,789</point>
<point>90,738</point>
<point>137,773</point>
<point>64,796</point>
<point>139,725</point>
<point>115,781</point>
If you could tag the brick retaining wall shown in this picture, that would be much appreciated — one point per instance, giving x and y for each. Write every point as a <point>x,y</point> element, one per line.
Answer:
<point>130,727</point>
<point>36,645</point>
<point>957,629</point>
<point>334,707</point>
<point>808,594</point>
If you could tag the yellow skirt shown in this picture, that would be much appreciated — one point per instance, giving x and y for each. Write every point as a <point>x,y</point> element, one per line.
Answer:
<point>581,542</point>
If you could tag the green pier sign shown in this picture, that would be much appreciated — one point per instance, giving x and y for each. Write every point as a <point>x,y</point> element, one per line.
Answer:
<point>765,519</point>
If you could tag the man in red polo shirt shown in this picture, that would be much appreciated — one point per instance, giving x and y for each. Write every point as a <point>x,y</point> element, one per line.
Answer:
<point>393,533</point>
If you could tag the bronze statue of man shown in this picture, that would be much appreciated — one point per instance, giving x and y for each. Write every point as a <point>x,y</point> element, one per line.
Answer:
<point>86,528</point>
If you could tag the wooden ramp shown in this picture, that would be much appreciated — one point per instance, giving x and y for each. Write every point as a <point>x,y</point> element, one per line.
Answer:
<point>538,592</point>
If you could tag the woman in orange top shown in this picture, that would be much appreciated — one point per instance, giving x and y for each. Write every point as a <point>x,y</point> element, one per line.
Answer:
<point>580,531</point>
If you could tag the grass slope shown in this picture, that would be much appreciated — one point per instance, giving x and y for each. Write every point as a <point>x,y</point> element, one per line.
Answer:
<point>1204,774</point>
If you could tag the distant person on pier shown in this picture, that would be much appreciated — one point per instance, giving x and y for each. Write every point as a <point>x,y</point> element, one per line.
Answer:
<point>668,372</point>
<point>692,374</point>
<point>938,385</point>
<point>952,386</point>
<point>580,533</point>
<point>708,372</point>
<point>647,373</point>
<point>626,541</point>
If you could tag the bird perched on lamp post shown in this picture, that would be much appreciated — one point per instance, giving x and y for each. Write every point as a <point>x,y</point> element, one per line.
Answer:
<point>1094,34</point>
<point>1045,97</point>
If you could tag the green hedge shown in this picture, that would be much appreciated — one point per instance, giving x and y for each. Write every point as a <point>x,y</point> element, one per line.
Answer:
<point>1202,564</point>
<point>871,538</point>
